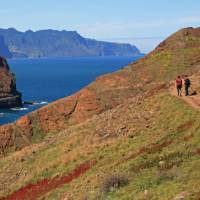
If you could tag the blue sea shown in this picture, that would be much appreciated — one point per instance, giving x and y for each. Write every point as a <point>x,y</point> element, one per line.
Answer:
<point>46,80</point>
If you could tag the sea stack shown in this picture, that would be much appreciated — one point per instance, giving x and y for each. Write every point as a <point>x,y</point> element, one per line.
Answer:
<point>9,96</point>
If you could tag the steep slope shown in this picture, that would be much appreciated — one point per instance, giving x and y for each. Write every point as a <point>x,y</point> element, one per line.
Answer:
<point>154,140</point>
<point>126,123</point>
<point>9,96</point>
<point>156,69</point>
<point>4,49</point>
<point>52,43</point>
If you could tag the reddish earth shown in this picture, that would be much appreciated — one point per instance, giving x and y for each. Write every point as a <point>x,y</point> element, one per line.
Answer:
<point>193,101</point>
<point>198,151</point>
<point>5,137</point>
<point>185,126</point>
<point>34,191</point>
<point>188,137</point>
<point>151,149</point>
<point>61,114</point>
<point>9,96</point>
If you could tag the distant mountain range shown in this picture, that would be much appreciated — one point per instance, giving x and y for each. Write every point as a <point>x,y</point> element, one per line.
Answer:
<point>53,43</point>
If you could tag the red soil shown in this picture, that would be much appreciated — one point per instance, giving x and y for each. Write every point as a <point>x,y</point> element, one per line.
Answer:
<point>34,191</point>
<point>151,149</point>
<point>188,137</point>
<point>185,126</point>
<point>198,151</point>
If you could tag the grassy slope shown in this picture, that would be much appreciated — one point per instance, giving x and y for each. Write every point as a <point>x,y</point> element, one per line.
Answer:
<point>128,134</point>
<point>157,128</point>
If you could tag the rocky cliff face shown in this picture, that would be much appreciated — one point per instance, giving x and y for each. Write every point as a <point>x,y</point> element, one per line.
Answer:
<point>147,75</point>
<point>9,96</point>
<point>52,43</point>
<point>4,51</point>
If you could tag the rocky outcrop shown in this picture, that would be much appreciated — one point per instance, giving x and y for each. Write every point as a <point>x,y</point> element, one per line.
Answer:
<point>9,96</point>
<point>146,75</point>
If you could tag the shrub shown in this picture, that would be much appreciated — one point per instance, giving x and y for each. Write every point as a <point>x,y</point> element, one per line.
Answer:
<point>114,181</point>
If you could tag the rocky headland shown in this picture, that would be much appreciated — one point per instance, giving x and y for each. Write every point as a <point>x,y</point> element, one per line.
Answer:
<point>9,96</point>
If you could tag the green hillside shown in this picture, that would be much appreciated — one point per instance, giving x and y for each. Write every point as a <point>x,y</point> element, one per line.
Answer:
<point>146,147</point>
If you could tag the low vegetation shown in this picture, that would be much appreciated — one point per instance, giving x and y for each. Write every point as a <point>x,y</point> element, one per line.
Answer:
<point>113,182</point>
<point>147,147</point>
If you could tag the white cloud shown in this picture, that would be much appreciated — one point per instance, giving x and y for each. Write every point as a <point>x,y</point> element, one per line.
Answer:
<point>130,32</point>
<point>145,44</point>
<point>129,29</point>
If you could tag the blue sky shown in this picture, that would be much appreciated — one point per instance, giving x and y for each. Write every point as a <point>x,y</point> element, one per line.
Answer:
<point>143,22</point>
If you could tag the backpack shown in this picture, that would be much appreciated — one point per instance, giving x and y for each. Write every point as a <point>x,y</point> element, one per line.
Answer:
<point>178,82</point>
<point>187,82</point>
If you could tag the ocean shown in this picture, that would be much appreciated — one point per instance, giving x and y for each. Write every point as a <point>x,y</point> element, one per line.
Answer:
<point>45,80</point>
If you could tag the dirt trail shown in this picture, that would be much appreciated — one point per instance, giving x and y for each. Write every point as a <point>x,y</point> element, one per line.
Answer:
<point>193,101</point>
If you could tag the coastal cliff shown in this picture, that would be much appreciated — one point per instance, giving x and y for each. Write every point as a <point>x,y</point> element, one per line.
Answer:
<point>9,96</point>
<point>124,136</point>
<point>53,43</point>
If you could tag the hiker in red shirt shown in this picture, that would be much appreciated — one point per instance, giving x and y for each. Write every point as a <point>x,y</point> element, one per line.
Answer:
<point>179,84</point>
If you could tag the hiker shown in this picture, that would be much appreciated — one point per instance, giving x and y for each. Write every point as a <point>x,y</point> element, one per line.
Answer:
<point>179,85</point>
<point>187,84</point>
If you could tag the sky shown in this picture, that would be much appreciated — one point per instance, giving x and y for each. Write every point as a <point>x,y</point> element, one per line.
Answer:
<point>141,22</point>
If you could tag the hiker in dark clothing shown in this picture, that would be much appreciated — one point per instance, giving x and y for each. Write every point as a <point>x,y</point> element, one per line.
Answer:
<point>187,85</point>
<point>179,84</point>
